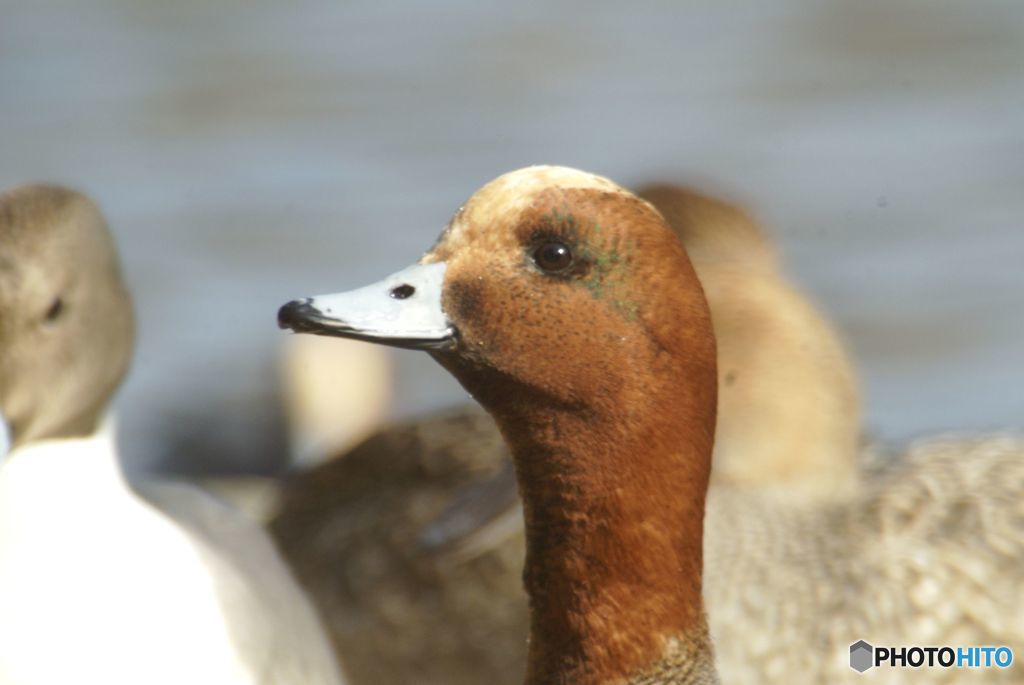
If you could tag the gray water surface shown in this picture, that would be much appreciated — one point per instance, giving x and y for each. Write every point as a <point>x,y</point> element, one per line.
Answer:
<point>249,152</point>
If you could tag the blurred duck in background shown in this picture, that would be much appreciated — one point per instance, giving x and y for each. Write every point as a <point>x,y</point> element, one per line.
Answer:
<point>98,585</point>
<point>334,393</point>
<point>412,543</point>
<point>788,399</point>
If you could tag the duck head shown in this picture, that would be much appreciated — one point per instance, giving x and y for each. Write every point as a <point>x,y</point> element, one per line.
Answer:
<point>66,326</point>
<point>549,281</point>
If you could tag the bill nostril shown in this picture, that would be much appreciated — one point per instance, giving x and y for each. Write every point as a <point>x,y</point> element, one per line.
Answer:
<point>402,292</point>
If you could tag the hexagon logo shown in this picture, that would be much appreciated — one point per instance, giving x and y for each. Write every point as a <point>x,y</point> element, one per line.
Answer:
<point>861,656</point>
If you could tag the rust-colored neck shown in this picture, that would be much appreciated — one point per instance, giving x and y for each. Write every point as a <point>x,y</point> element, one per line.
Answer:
<point>614,505</point>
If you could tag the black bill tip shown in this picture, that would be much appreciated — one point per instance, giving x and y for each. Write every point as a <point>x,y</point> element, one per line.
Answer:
<point>300,316</point>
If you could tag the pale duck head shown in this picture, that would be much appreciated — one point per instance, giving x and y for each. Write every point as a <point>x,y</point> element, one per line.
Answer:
<point>66,324</point>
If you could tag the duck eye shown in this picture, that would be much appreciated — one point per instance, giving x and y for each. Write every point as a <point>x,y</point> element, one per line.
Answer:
<point>55,310</point>
<point>553,257</point>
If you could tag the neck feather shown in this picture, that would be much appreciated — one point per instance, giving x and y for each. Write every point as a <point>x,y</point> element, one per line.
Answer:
<point>614,508</point>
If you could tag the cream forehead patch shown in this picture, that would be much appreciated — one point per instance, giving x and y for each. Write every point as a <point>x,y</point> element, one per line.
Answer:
<point>534,177</point>
<point>512,192</point>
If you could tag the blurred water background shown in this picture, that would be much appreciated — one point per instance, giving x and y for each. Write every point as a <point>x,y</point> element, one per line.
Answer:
<point>249,152</point>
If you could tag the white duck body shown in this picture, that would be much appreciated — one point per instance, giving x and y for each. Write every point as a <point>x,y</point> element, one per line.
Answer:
<point>99,585</point>
<point>95,581</point>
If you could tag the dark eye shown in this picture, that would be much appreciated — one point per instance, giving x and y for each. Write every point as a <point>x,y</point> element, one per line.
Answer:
<point>55,310</point>
<point>553,257</point>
